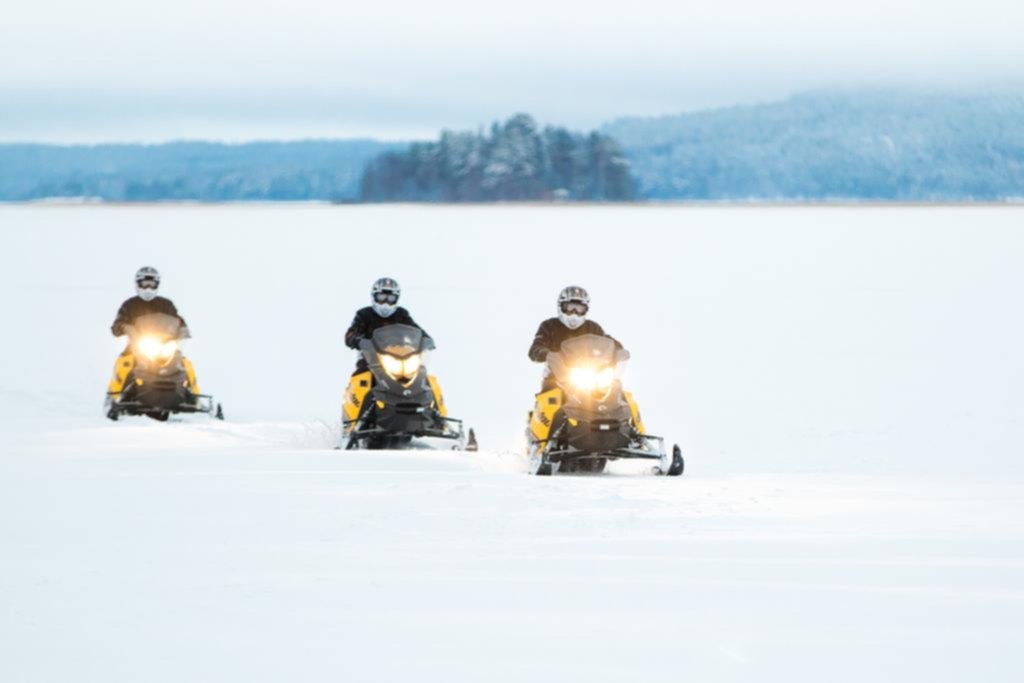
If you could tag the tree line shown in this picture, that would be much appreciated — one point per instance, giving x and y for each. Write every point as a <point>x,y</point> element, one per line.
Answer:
<point>515,161</point>
<point>874,145</point>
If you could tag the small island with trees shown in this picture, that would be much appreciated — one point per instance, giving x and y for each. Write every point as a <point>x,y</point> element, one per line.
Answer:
<point>516,161</point>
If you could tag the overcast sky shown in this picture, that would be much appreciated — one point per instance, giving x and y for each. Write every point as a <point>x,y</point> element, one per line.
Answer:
<point>236,70</point>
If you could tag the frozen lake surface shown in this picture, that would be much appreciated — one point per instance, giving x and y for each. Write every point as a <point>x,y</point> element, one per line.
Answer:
<point>845,384</point>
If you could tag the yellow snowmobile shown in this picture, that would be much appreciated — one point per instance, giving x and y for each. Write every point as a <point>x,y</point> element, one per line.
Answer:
<point>586,419</point>
<point>396,400</point>
<point>153,378</point>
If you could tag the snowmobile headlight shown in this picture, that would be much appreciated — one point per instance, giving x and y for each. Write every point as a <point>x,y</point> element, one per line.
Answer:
<point>411,366</point>
<point>150,347</point>
<point>401,368</point>
<point>392,365</point>
<point>592,379</point>
<point>583,378</point>
<point>154,349</point>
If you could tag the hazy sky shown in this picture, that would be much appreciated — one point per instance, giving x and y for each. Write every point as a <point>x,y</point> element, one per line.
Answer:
<point>237,70</point>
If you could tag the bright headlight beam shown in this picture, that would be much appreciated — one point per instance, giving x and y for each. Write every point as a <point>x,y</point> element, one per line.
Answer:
<point>583,378</point>
<point>392,365</point>
<point>150,347</point>
<point>591,379</point>
<point>154,349</point>
<point>399,368</point>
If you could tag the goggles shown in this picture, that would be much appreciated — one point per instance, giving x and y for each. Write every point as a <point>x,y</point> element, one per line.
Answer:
<point>147,284</point>
<point>385,298</point>
<point>574,308</point>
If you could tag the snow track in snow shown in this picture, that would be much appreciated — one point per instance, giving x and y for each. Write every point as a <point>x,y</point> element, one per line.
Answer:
<point>201,550</point>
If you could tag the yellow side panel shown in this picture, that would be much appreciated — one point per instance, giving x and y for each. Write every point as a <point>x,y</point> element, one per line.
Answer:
<point>634,410</point>
<point>435,387</point>
<point>190,372</point>
<point>548,404</point>
<point>122,367</point>
<point>358,387</point>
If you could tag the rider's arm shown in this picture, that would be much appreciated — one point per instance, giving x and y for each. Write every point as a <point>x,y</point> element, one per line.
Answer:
<point>184,325</point>
<point>118,328</point>
<point>184,332</point>
<point>355,333</point>
<point>541,345</point>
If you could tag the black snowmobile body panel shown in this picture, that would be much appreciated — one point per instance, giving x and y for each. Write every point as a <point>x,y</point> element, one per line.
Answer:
<point>162,388</point>
<point>598,426</point>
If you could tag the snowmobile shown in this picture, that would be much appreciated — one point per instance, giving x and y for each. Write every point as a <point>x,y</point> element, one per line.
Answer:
<point>396,401</point>
<point>586,419</point>
<point>154,378</point>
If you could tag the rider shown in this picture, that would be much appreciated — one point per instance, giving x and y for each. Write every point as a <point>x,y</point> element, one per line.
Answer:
<point>573,305</point>
<point>384,310</point>
<point>145,302</point>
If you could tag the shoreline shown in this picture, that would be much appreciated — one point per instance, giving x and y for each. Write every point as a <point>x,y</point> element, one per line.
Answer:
<point>654,204</point>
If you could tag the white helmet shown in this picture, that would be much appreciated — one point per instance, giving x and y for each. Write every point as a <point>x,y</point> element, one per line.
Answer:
<point>573,304</point>
<point>147,281</point>
<point>385,295</point>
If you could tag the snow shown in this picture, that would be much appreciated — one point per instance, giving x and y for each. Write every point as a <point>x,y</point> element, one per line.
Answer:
<point>844,383</point>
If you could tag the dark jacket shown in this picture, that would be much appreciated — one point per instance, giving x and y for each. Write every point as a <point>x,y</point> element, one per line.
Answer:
<point>552,332</point>
<point>132,309</point>
<point>367,321</point>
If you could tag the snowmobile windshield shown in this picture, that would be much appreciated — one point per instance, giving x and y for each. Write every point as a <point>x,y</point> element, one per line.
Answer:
<point>400,341</point>
<point>158,325</point>
<point>589,349</point>
<point>590,363</point>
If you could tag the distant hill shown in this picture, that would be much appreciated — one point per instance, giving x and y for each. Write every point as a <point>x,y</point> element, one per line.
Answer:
<point>874,145</point>
<point>201,171</point>
<point>853,145</point>
<point>516,161</point>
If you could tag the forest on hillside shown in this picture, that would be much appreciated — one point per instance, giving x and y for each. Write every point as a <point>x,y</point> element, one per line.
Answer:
<point>881,145</point>
<point>328,170</point>
<point>515,161</point>
<point>860,145</point>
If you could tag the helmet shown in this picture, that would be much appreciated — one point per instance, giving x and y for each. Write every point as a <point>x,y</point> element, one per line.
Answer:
<point>147,280</point>
<point>573,304</point>
<point>385,295</point>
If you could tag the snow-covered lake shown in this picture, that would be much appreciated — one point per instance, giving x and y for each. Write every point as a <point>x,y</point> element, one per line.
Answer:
<point>845,384</point>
